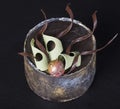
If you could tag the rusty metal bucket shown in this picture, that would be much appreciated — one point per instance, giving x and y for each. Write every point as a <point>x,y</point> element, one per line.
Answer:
<point>68,86</point>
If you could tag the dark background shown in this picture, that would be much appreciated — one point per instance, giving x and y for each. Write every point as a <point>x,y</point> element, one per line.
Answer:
<point>18,16</point>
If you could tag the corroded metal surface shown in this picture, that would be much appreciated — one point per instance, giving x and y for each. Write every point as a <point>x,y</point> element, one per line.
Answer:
<point>64,88</point>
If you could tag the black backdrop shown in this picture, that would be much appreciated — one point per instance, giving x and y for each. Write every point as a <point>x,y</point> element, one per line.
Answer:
<point>18,16</point>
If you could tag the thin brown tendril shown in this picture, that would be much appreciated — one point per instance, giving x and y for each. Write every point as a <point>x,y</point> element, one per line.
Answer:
<point>79,39</point>
<point>64,32</point>
<point>74,64</point>
<point>89,52</point>
<point>40,46</point>
<point>94,51</point>
<point>38,43</point>
<point>94,18</point>
<point>26,54</point>
<point>43,29</point>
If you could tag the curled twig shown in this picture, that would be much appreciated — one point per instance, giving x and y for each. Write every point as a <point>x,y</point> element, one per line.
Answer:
<point>87,53</point>
<point>94,51</point>
<point>41,47</point>
<point>38,43</point>
<point>43,29</point>
<point>64,32</point>
<point>73,64</point>
<point>26,54</point>
<point>79,39</point>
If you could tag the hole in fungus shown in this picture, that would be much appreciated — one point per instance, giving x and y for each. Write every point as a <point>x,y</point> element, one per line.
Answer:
<point>38,57</point>
<point>71,54</point>
<point>50,45</point>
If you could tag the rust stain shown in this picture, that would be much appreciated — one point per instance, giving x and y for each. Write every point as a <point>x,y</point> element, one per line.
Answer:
<point>59,91</point>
